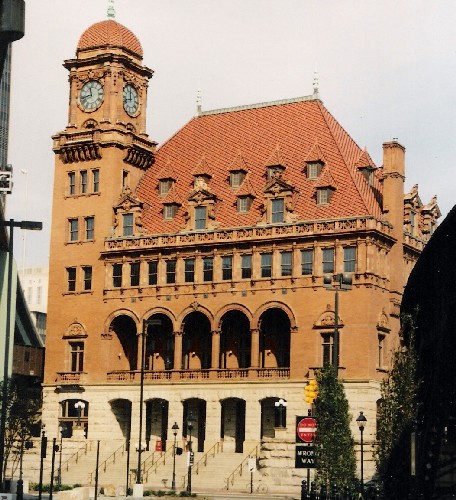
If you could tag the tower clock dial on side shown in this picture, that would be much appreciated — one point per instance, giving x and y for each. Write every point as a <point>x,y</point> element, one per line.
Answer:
<point>91,95</point>
<point>130,99</point>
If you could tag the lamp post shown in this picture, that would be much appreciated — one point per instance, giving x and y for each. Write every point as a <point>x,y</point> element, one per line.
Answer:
<point>175,428</point>
<point>281,404</point>
<point>361,421</point>
<point>141,401</point>
<point>80,405</point>
<point>59,477</point>
<point>341,283</point>
<point>190,421</point>
<point>34,226</point>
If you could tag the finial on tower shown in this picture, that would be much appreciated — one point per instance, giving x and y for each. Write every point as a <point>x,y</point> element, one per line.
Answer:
<point>315,85</point>
<point>111,10</point>
<point>199,101</point>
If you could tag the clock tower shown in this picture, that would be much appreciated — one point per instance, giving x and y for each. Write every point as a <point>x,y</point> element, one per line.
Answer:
<point>100,158</point>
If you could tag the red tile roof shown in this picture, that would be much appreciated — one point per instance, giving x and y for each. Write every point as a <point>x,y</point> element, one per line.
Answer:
<point>109,33</point>
<point>304,130</point>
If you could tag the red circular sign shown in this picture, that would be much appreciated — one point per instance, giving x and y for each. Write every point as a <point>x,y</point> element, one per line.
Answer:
<point>306,429</point>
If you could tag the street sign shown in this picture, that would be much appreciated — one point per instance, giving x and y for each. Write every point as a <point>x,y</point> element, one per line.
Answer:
<point>305,457</point>
<point>305,429</point>
<point>252,464</point>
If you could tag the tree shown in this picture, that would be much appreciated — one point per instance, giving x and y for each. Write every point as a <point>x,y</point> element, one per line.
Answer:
<point>334,443</point>
<point>396,417</point>
<point>22,414</point>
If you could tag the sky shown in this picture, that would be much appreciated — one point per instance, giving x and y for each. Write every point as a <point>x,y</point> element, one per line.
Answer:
<point>385,70</point>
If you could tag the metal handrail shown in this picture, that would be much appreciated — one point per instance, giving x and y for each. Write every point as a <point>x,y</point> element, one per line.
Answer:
<point>104,464</point>
<point>156,463</point>
<point>238,470</point>
<point>217,448</point>
<point>84,448</point>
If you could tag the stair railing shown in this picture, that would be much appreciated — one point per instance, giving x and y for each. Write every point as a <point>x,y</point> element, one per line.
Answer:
<point>111,459</point>
<point>86,447</point>
<point>161,460</point>
<point>243,465</point>
<point>217,448</point>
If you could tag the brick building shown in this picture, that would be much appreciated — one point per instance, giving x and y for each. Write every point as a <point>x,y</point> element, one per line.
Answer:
<point>209,254</point>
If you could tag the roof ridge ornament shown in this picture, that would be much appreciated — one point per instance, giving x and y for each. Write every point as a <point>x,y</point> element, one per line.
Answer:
<point>111,10</point>
<point>315,85</point>
<point>199,102</point>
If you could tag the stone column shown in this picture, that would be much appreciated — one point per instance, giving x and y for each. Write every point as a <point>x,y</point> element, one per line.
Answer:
<point>177,350</point>
<point>255,348</point>
<point>215,355</point>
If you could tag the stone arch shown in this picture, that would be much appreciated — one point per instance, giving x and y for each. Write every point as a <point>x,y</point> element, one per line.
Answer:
<point>274,305</point>
<point>123,327</point>
<point>231,307</point>
<point>121,409</point>
<point>196,340</point>
<point>232,423</point>
<point>159,351</point>
<point>235,339</point>
<point>194,307</point>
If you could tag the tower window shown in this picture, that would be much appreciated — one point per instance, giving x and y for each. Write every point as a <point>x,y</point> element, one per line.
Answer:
<point>76,356</point>
<point>266,265</point>
<point>71,183</point>
<point>125,178</point>
<point>171,271</point>
<point>236,178</point>
<point>349,259</point>
<point>153,272</point>
<point>246,266</point>
<point>164,186</point>
<point>134,274</point>
<point>286,263</point>
<point>189,270</point>
<point>74,229</point>
<point>83,181</point>
<point>306,262</point>
<point>200,217</point>
<point>71,279</point>
<point>89,227</point>
<point>227,267</point>
<point>117,275</point>
<point>96,180</point>
<point>381,344</point>
<point>277,210</point>
<point>87,273</point>
<point>244,203</point>
<point>208,268</point>
<point>127,224</point>
<point>328,260</point>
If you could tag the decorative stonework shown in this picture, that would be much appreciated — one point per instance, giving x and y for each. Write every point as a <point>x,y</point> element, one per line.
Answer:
<point>80,152</point>
<point>75,330</point>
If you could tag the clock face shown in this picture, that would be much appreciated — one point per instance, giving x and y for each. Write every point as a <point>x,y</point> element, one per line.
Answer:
<point>91,95</point>
<point>130,99</point>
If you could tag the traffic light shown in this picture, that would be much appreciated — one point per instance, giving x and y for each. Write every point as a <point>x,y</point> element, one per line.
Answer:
<point>311,391</point>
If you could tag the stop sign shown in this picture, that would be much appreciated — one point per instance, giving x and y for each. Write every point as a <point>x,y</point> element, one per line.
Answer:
<point>306,429</point>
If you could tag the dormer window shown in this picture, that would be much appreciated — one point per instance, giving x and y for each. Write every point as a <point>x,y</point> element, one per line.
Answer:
<point>164,186</point>
<point>236,178</point>
<point>127,220</point>
<point>200,217</point>
<point>368,174</point>
<point>244,203</point>
<point>324,195</point>
<point>277,210</point>
<point>314,169</point>
<point>169,211</point>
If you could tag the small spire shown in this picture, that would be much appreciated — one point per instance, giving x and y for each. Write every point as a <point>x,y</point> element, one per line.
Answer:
<point>111,10</point>
<point>199,101</point>
<point>315,85</point>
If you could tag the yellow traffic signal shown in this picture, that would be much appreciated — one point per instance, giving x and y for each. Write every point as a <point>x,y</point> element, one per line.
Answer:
<point>311,391</point>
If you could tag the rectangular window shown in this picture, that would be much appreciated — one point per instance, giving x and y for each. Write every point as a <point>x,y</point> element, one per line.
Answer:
<point>208,268</point>
<point>134,274</point>
<point>127,224</point>
<point>83,181</point>
<point>189,270</point>
<point>125,180</point>
<point>266,265</point>
<point>38,294</point>
<point>73,229</point>
<point>236,178</point>
<point>306,262</point>
<point>327,348</point>
<point>277,210</point>
<point>200,217</point>
<point>96,180</point>
<point>381,342</point>
<point>153,272</point>
<point>313,169</point>
<point>246,266</point>
<point>170,271</point>
<point>328,260</point>
<point>349,259</point>
<point>117,275</point>
<point>244,203</point>
<point>77,356</point>
<point>89,227</point>
<point>71,278</point>
<point>71,183</point>
<point>322,196</point>
<point>169,211</point>
<point>164,186</point>
<point>227,267</point>
<point>87,273</point>
<point>286,267</point>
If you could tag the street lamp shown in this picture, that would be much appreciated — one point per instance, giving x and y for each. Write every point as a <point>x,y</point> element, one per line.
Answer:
<point>141,401</point>
<point>361,421</point>
<point>34,226</point>
<point>342,283</point>
<point>175,428</point>
<point>80,405</point>
<point>59,477</point>
<point>190,421</point>
<point>281,404</point>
